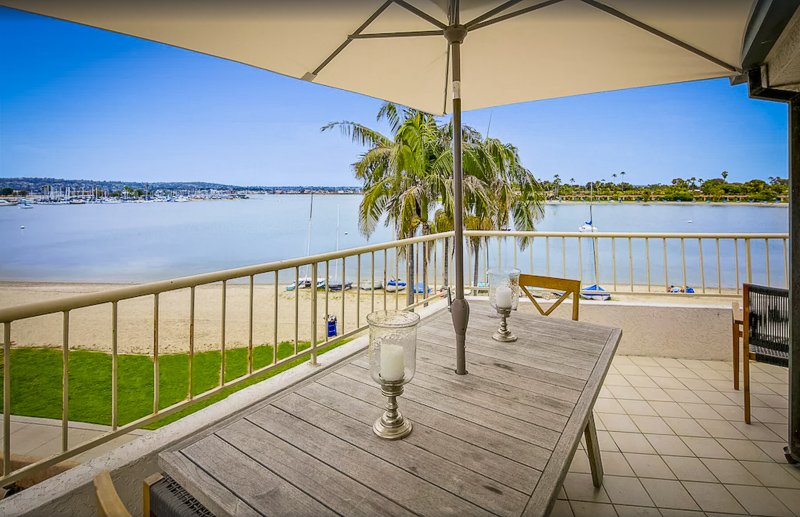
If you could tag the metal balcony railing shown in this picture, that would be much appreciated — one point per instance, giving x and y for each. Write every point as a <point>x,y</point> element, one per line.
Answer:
<point>646,263</point>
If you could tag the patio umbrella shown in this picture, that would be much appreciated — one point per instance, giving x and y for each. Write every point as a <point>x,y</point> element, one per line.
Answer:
<point>410,51</point>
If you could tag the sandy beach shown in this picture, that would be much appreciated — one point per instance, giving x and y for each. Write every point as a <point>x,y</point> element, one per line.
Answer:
<point>90,328</point>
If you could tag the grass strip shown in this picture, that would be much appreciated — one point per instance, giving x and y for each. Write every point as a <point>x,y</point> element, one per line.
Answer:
<point>36,381</point>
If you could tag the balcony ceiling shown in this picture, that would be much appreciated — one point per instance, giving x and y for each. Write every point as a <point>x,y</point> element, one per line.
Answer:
<point>555,49</point>
<point>783,61</point>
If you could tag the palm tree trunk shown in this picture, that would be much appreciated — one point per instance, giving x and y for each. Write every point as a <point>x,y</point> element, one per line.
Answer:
<point>446,260</point>
<point>477,248</point>
<point>410,275</point>
<point>426,230</point>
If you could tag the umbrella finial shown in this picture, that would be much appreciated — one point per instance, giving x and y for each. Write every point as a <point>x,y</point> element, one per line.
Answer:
<point>455,34</point>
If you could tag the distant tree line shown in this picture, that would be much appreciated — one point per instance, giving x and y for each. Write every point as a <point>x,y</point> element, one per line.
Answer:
<point>679,189</point>
<point>12,192</point>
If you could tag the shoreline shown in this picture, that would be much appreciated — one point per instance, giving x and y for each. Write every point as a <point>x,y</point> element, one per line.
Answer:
<point>676,203</point>
<point>90,328</point>
<point>547,202</point>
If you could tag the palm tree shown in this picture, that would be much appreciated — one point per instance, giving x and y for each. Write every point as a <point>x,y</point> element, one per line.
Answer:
<point>622,176</point>
<point>506,191</point>
<point>406,175</point>
<point>724,175</point>
<point>476,222</point>
<point>403,175</point>
<point>443,222</point>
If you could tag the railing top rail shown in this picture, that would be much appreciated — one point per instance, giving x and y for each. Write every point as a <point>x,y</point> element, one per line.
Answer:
<point>634,235</point>
<point>33,310</point>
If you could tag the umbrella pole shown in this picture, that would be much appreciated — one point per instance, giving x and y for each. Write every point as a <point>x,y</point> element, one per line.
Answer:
<point>459,308</point>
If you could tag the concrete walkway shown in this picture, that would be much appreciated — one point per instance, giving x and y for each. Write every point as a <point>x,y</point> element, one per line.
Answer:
<point>38,438</point>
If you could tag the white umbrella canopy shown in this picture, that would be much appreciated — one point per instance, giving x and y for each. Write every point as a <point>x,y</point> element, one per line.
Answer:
<point>552,49</point>
<point>410,51</point>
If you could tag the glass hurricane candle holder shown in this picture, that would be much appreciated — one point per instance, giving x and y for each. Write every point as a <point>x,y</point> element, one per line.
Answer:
<point>504,297</point>
<point>392,363</point>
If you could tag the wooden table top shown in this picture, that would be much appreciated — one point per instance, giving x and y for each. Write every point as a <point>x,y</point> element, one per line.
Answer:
<point>496,441</point>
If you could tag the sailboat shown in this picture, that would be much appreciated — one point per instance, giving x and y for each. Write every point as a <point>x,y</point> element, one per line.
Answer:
<point>594,291</point>
<point>588,226</point>
<point>306,281</point>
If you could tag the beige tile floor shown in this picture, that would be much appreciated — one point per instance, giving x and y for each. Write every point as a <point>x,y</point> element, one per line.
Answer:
<point>674,442</point>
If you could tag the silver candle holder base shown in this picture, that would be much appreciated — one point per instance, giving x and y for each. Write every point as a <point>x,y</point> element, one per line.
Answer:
<point>392,425</point>
<point>502,334</point>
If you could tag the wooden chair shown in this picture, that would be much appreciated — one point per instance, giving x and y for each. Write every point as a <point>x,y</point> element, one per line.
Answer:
<point>736,331</point>
<point>108,502</point>
<point>764,329</point>
<point>568,286</point>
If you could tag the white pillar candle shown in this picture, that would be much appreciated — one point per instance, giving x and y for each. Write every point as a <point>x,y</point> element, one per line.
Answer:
<point>503,297</point>
<point>392,364</point>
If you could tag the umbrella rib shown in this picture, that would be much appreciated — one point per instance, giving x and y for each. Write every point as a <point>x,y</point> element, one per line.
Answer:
<point>663,35</point>
<point>485,16</point>
<point>422,14</point>
<point>510,15</point>
<point>348,40</point>
<point>408,34</point>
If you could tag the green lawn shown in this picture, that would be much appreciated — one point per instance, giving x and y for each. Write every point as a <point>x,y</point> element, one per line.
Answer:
<point>36,381</point>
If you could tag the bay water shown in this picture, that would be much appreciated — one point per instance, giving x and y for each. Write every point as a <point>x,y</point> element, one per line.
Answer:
<point>140,242</point>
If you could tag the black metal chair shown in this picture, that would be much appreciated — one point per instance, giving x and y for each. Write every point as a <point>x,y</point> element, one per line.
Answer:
<point>764,329</point>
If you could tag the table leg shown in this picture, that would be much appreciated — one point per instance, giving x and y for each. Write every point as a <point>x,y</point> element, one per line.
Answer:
<point>736,334</point>
<point>593,451</point>
<point>746,380</point>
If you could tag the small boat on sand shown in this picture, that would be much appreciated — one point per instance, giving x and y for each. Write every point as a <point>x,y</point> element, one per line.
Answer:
<point>305,283</point>
<point>595,292</point>
<point>420,289</point>
<point>337,286</point>
<point>395,285</point>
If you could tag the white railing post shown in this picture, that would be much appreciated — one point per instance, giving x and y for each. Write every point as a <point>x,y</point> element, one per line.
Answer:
<point>7,398</point>
<point>296,308</point>
<point>702,265</point>
<point>190,393</point>
<point>614,261</point>
<point>155,354</point>
<point>630,261</point>
<point>65,384</point>
<point>250,327</point>
<point>647,261</point>
<point>275,317</point>
<point>115,366</point>
<point>314,312</point>
<point>766,260</point>
<point>222,337</point>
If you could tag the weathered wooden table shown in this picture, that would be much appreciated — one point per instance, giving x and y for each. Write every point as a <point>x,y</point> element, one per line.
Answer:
<point>496,441</point>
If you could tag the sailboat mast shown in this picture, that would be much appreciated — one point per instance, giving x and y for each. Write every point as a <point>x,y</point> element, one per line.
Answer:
<point>308,240</point>
<point>336,269</point>
<point>594,240</point>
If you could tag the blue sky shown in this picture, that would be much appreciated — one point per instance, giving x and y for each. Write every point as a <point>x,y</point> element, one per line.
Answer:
<point>82,103</point>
